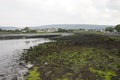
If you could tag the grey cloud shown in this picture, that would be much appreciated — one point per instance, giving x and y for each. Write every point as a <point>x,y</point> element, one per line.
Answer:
<point>114,5</point>
<point>38,12</point>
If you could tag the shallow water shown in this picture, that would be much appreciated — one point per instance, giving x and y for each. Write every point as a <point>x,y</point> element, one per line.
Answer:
<point>10,51</point>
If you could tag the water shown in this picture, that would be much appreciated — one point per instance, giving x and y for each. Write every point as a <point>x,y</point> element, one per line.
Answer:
<point>9,55</point>
<point>72,26</point>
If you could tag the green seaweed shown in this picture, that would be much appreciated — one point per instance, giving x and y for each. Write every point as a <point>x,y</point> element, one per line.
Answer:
<point>33,74</point>
<point>106,74</point>
<point>77,57</point>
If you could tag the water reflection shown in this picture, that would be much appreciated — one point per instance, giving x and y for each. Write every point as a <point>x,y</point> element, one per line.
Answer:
<point>9,55</point>
<point>27,42</point>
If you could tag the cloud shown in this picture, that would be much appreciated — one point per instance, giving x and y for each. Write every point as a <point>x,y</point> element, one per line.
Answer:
<point>38,12</point>
<point>114,5</point>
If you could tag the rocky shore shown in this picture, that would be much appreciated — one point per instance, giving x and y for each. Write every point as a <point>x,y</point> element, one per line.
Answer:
<point>81,56</point>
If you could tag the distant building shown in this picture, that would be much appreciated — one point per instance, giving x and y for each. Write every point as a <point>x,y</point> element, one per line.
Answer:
<point>47,30</point>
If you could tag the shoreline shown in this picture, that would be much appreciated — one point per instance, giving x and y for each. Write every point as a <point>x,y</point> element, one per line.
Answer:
<point>25,36</point>
<point>70,56</point>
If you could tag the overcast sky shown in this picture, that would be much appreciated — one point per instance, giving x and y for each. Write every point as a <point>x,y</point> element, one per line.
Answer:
<point>23,13</point>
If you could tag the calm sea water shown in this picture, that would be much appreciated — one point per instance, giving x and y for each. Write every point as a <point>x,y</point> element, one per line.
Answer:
<point>10,51</point>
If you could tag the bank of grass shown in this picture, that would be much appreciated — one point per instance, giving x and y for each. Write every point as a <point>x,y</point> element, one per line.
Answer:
<point>77,57</point>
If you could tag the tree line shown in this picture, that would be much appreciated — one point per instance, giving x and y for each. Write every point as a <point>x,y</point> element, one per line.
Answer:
<point>111,29</point>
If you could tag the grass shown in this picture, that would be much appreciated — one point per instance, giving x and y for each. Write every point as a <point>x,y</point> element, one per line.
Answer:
<point>77,57</point>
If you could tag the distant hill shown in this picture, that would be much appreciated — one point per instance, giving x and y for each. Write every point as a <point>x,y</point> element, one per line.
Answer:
<point>8,28</point>
<point>71,26</point>
<point>64,26</point>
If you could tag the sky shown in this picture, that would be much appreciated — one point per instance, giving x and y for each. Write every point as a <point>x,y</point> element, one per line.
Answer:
<point>23,13</point>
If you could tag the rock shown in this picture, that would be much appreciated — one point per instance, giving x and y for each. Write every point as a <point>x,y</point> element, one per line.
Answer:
<point>1,75</point>
<point>14,78</point>
<point>46,63</point>
<point>29,66</point>
<point>23,72</point>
